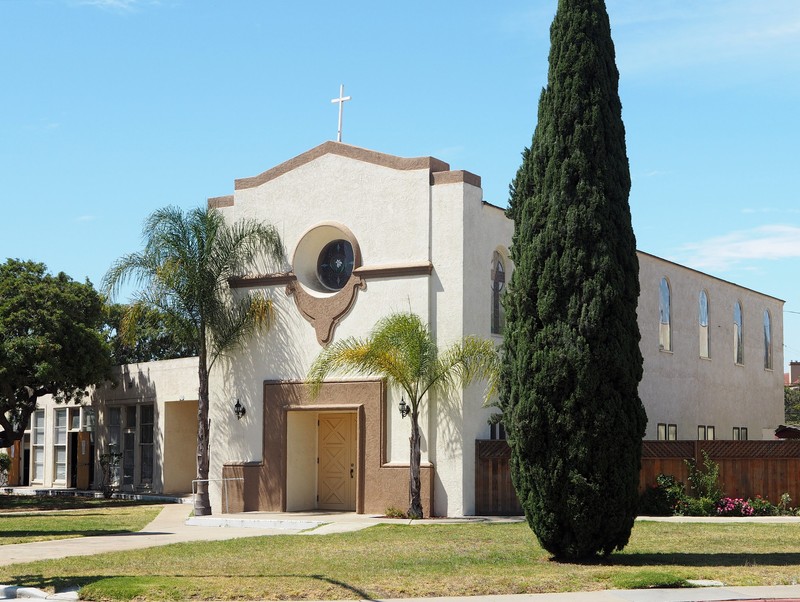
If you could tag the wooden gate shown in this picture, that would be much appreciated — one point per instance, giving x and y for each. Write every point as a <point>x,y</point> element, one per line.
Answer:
<point>494,491</point>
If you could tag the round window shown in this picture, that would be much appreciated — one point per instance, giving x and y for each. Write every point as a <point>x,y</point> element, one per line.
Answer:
<point>335,264</point>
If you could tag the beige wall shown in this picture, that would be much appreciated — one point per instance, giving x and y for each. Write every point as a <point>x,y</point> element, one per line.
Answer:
<point>159,383</point>
<point>301,460</point>
<point>180,445</point>
<point>679,386</point>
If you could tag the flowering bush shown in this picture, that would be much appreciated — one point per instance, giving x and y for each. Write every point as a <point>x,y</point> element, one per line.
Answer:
<point>762,507</point>
<point>734,507</point>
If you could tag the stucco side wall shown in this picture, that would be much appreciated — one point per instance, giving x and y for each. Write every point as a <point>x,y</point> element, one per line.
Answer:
<point>680,387</point>
<point>159,383</point>
<point>447,318</point>
<point>488,230</point>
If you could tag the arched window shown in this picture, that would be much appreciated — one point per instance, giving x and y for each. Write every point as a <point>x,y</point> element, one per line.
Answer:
<point>664,327</point>
<point>703,321</point>
<point>738,337</point>
<point>498,274</point>
<point>767,340</point>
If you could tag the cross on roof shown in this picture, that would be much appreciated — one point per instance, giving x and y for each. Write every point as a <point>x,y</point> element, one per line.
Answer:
<point>341,100</point>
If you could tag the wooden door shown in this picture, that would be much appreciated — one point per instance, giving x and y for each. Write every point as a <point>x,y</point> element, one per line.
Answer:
<point>84,458</point>
<point>336,478</point>
<point>15,452</point>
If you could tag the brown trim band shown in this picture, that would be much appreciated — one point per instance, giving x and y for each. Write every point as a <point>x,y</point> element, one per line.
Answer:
<point>456,177</point>
<point>344,150</point>
<point>400,270</point>
<point>424,268</point>
<point>277,279</point>
<point>218,202</point>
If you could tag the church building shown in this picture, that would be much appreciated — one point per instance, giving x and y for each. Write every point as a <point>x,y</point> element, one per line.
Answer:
<point>367,234</point>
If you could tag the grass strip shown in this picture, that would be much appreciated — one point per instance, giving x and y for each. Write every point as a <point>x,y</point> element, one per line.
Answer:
<point>422,560</point>
<point>26,527</point>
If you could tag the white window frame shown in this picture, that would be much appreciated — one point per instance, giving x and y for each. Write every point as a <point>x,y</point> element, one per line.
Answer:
<point>60,439</point>
<point>702,315</point>
<point>37,445</point>
<point>738,334</point>
<point>664,315</point>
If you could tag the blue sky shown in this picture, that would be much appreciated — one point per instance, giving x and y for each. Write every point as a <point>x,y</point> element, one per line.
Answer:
<point>113,108</point>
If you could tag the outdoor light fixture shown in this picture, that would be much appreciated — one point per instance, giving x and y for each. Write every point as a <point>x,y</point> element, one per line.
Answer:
<point>239,410</point>
<point>404,408</point>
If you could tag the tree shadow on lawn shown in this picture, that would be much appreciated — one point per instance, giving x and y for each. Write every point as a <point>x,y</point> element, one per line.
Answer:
<point>698,559</point>
<point>58,584</point>
<point>63,534</point>
<point>64,583</point>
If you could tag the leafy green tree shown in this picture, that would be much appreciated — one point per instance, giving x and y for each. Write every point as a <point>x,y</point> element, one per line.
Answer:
<point>401,349</point>
<point>572,362</point>
<point>791,404</point>
<point>184,271</point>
<point>50,342</point>
<point>147,335</point>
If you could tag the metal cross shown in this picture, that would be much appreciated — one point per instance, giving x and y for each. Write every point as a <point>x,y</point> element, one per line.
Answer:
<point>341,100</point>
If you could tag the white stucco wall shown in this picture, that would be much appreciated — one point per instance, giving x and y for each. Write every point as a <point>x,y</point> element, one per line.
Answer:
<point>679,387</point>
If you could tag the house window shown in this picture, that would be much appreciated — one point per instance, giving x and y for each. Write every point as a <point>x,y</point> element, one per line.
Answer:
<point>705,432</point>
<point>114,436</point>
<point>667,432</point>
<point>498,274</point>
<point>738,339</point>
<point>130,432</point>
<point>129,446</point>
<point>767,341</point>
<point>664,326</point>
<point>146,444</point>
<point>37,446</point>
<point>60,446</point>
<point>703,321</point>
<point>497,431</point>
<point>740,433</point>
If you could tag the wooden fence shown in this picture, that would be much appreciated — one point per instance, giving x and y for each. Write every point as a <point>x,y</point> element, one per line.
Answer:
<point>746,468</point>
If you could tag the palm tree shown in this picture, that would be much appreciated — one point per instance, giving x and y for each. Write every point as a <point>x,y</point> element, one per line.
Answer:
<point>402,350</point>
<point>184,271</point>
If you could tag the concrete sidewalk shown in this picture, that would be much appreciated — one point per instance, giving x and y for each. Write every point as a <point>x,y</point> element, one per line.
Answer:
<point>173,525</point>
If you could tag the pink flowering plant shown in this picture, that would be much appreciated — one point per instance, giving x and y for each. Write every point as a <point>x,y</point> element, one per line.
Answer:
<point>728,506</point>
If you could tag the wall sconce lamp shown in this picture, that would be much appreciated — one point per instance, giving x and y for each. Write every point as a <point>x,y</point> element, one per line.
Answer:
<point>404,408</point>
<point>239,409</point>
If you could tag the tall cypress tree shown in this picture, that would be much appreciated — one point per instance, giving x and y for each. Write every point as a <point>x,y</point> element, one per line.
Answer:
<point>572,364</point>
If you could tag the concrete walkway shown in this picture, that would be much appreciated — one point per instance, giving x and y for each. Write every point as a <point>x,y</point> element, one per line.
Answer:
<point>173,525</point>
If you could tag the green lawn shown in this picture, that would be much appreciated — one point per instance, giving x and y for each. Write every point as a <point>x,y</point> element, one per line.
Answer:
<point>34,518</point>
<point>432,560</point>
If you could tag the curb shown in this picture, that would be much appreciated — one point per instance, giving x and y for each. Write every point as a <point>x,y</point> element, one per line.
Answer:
<point>12,592</point>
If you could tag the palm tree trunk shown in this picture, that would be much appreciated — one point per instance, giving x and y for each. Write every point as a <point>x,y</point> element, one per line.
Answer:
<point>202,505</point>
<point>415,510</point>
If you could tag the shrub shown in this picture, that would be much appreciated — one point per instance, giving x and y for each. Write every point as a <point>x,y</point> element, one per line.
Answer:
<point>785,505</point>
<point>762,507</point>
<point>734,507</point>
<point>392,512</point>
<point>702,506</point>
<point>5,465</point>
<point>663,498</point>
<point>705,481</point>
